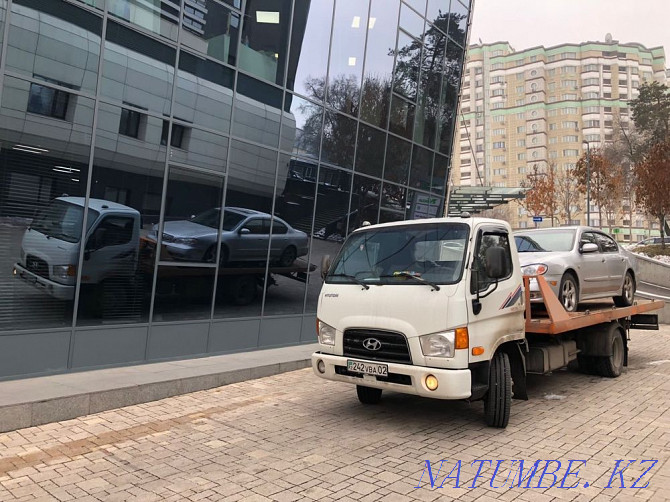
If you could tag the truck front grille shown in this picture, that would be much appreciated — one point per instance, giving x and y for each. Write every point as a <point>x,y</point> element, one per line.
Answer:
<point>376,345</point>
<point>37,266</point>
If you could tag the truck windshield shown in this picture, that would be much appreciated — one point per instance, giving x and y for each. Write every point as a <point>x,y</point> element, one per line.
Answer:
<point>545,241</point>
<point>63,220</point>
<point>392,255</point>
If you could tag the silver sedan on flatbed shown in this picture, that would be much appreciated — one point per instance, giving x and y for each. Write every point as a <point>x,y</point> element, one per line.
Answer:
<point>579,263</point>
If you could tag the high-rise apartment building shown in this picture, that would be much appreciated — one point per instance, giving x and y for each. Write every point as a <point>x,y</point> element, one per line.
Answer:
<point>540,106</point>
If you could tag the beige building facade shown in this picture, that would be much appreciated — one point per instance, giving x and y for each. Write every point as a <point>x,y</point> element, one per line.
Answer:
<point>539,108</point>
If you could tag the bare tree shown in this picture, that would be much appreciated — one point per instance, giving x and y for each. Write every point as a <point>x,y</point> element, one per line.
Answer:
<point>653,175</point>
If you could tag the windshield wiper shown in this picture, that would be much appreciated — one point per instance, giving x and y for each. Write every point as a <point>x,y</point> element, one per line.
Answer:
<point>418,278</point>
<point>356,280</point>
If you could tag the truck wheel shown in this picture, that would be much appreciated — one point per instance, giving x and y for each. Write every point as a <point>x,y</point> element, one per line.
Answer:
<point>611,366</point>
<point>288,256</point>
<point>368,395</point>
<point>586,364</point>
<point>498,400</point>
<point>568,292</point>
<point>627,292</point>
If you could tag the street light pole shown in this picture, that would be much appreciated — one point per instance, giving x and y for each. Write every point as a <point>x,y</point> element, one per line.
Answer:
<point>588,183</point>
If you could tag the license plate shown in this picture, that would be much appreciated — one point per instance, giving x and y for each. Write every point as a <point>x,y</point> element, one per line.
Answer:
<point>367,368</point>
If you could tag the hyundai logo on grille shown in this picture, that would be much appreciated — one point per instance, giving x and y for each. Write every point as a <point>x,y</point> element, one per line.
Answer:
<point>33,264</point>
<point>372,344</point>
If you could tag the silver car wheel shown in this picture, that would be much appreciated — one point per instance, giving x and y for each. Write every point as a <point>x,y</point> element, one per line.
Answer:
<point>569,294</point>
<point>628,288</point>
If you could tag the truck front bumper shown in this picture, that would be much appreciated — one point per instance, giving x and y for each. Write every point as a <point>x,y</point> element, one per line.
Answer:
<point>54,289</point>
<point>406,378</point>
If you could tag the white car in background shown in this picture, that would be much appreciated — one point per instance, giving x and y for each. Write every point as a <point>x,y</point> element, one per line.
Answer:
<point>579,263</point>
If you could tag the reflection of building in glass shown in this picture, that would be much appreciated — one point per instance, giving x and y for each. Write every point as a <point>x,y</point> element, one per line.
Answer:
<point>191,161</point>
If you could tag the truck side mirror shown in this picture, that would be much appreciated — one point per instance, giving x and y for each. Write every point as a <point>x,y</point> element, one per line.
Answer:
<point>325,266</point>
<point>496,262</point>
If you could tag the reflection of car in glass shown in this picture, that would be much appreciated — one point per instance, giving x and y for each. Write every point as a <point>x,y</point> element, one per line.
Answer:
<point>50,246</point>
<point>245,237</point>
<point>579,263</point>
<point>651,241</point>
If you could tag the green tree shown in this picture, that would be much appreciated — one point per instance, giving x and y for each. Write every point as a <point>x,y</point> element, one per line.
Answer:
<point>651,112</point>
<point>653,177</point>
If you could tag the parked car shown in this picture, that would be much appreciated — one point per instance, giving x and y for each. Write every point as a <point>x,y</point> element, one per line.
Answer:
<point>579,263</point>
<point>649,242</point>
<point>245,237</point>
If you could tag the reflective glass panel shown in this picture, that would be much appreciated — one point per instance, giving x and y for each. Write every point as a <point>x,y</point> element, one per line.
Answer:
<point>411,22</point>
<point>346,55</point>
<point>370,151</point>
<point>397,160</point>
<point>402,117</point>
<point>379,62</point>
<point>55,42</point>
<point>137,69</point>
<point>430,87</point>
<point>157,17</point>
<point>458,22</point>
<point>440,174</point>
<point>310,41</point>
<point>204,94</point>
<point>393,203</point>
<point>331,225</point>
<point>407,67</point>
<point>44,168</point>
<point>302,126</point>
<point>257,111</point>
<point>339,140</point>
<point>211,28</point>
<point>422,205</point>
<point>196,147</point>
<point>365,197</point>
<point>265,39</point>
<point>422,168</point>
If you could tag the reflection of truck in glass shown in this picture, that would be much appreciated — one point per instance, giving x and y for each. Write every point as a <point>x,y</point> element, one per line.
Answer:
<point>50,246</point>
<point>439,308</point>
<point>118,261</point>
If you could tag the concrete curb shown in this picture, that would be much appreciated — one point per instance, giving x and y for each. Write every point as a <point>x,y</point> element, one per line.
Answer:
<point>42,400</point>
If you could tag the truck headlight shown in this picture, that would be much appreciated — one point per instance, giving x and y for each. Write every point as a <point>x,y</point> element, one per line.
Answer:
<point>438,344</point>
<point>64,271</point>
<point>534,269</point>
<point>325,332</point>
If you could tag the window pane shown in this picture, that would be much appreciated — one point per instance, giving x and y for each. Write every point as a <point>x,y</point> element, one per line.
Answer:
<point>44,169</point>
<point>192,214</point>
<point>212,29</point>
<point>265,39</point>
<point>421,205</point>
<point>458,22</point>
<point>249,196</point>
<point>257,111</point>
<point>289,242</point>
<point>310,40</point>
<point>302,126</point>
<point>422,168</point>
<point>430,87</point>
<point>339,139</point>
<point>160,17</point>
<point>56,42</point>
<point>393,202</point>
<point>3,17</point>
<point>346,55</point>
<point>331,225</point>
<point>440,170</point>
<point>198,148</point>
<point>370,152</point>
<point>411,22</point>
<point>402,117</point>
<point>419,5</point>
<point>364,201</point>
<point>379,62</point>
<point>397,160</point>
<point>204,94</point>
<point>137,69</point>
<point>407,70</point>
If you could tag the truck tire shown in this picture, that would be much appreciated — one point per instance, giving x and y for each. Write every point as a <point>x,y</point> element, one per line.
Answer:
<point>368,395</point>
<point>611,366</point>
<point>243,290</point>
<point>498,400</point>
<point>627,291</point>
<point>568,292</point>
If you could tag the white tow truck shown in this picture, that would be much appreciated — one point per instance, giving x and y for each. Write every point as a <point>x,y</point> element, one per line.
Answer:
<point>438,308</point>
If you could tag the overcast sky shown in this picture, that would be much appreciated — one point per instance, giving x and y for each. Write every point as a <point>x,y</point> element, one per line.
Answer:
<point>529,23</point>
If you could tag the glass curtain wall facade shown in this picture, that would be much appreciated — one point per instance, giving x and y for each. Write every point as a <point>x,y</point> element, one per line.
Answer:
<point>173,171</point>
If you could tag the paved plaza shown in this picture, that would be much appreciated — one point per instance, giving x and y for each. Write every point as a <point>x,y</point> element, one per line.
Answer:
<point>296,437</point>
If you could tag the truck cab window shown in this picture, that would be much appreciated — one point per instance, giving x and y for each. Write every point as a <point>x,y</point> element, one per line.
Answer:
<point>112,231</point>
<point>480,280</point>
